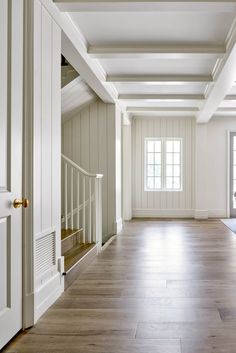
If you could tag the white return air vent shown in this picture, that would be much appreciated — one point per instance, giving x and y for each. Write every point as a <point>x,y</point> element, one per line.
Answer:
<point>45,254</point>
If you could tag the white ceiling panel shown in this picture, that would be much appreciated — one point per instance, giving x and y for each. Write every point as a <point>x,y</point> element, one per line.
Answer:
<point>145,88</point>
<point>153,27</point>
<point>158,67</point>
<point>228,104</point>
<point>162,104</point>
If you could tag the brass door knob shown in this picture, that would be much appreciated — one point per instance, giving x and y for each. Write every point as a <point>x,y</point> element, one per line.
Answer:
<point>18,203</point>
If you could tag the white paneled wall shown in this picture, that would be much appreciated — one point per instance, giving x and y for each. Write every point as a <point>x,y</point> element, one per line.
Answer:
<point>217,160</point>
<point>43,156</point>
<point>158,203</point>
<point>89,139</point>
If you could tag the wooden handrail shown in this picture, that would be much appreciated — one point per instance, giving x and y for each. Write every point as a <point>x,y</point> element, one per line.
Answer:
<point>82,171</point>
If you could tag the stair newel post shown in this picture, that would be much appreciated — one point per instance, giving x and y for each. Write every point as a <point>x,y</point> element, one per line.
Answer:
<point>72,198</point>
<point>90,211</point>
<point>78,204</point>
<point>84,205</point>
<point>65,191</point>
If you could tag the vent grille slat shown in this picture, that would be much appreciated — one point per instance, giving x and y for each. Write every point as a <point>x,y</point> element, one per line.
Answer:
<point>44,254</point>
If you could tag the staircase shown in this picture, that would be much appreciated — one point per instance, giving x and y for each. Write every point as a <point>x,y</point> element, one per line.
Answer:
<point>81,234</point>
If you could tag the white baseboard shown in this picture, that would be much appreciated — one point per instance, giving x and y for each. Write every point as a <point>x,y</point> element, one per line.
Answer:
<point>47,294</point>
<point>118,226</point>
<point>179,213</point>
<point>218,213</point>
<point>201,214</point>
<point>163,213</point>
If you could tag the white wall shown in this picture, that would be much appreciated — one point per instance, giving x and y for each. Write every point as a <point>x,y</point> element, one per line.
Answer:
<point>42,160</point>
<point>201,169</point>
<point>217,156</point>
<point>163,204</point>
<point>92,140</point>
<point>205,172</point>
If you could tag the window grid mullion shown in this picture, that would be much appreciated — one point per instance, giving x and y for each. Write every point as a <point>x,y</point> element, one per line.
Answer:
<point>158,176</point>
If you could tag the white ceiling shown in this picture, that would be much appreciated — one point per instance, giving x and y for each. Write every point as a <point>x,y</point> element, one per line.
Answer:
<point>161,58</point>
<point>153,27</point>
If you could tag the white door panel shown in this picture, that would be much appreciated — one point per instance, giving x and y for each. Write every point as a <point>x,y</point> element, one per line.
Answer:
<point>11,100</point>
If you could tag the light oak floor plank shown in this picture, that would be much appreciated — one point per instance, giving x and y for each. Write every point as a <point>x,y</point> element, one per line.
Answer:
<point>162,286</point>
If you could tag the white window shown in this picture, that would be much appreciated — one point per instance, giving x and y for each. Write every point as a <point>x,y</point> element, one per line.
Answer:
<point>163,164</point>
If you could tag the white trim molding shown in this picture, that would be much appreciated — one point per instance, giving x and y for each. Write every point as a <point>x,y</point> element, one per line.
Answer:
<point>201,214</point>
<point>118,226</point>
<point>217,213</point>
<point>162,213</point>
<point>47,294</point>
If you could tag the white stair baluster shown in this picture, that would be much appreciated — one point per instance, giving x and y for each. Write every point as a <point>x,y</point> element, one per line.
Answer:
<point>71,198</point>
<point>65,190</point>
<point>89,212</point>
<point>84,205</point>
<point>78,205</point>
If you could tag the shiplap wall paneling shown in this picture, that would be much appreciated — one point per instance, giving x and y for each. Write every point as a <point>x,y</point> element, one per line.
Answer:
<point>127,172</point>
<point>217,175</point>
<point>161,203</point>
<point>43,111</point>
<point>89,139</point>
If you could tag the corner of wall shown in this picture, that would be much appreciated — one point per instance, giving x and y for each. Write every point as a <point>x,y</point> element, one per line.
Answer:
<point>201,214</point>
<point>118,226</point>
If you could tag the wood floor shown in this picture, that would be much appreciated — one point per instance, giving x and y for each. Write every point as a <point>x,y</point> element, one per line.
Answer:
<point>160,287</point>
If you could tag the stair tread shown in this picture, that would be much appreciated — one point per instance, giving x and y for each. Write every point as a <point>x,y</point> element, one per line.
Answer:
<point>65,233</point>
<point>72,256</point>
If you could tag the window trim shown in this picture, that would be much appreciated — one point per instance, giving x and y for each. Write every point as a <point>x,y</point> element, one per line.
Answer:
<point>163,163</point>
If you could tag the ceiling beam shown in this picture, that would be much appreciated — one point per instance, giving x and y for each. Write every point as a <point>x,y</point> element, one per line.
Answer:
<point>224,79</point>
<point>157,51</point>
<point>161,109</point>
<point>161,97</point>
<point>227,110</point>
<point>141,5</point>
<point>74,48</point>
<point>230,97</point>
<point>221,88</point>
<point>168,79</point>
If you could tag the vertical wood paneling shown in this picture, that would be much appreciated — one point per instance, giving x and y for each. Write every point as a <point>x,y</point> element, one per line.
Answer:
<point>93,137</point>
<point>46,120</point>
<point>43,111</point>
<point>67,141</point>
<point>37,157</point>
<point>75,146</point>
<point>102,142</point>
<point>56,132</point>
<point>111,140</point>
<point>3,93</point>
<point>172,201</point>
<point>133,182</point>
<point>84,137</point>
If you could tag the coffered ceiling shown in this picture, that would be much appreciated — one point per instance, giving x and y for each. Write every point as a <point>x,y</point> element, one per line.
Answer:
<point>159,58</point>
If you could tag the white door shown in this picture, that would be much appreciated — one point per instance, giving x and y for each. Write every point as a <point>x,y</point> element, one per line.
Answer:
<point>11,82</point>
